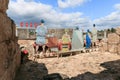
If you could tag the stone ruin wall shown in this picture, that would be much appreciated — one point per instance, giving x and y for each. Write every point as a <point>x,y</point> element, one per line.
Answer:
<point>112,44</point>
<point>9,48</point>
<point>24,33</point>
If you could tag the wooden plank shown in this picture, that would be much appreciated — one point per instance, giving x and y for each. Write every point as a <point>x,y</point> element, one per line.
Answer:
<point>60,53</point>
<point>71,51</point>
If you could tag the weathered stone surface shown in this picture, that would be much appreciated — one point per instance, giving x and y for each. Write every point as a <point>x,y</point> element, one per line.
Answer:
<point>9,74</point>
<point>114,42</point>
<point>6,30</point>
<point>3,55</point>
<point>13,27</point>
<point>9,56</point>
<point>9,49</point>
<point>118,30</point>
<point>113,38</point>
<point>105,46</point>
<point>113,48</point>
<point>23,33</point>
<point>3,5</point>
<point>119,49</point>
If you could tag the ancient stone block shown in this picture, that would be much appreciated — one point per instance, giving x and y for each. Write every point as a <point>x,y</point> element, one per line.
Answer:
<point>119,49</point>
<point>3,55</point>
<point>9,50</point>
<point>13,30</point>
<point>113,38</point>
<point>22,34</point>
<point>9,59</point>
<point>105,46</point>
<point>118,30</point>
<point>17,59</point>
<point>113,48</point>
<point>3,5</point>
<point>6,30</point>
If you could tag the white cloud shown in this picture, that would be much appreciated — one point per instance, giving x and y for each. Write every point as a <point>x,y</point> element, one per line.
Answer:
<point>70,3</point>
<point>109,21</point>
<point>117,6</point>
<point>32,12</point>
<point>112,20</point>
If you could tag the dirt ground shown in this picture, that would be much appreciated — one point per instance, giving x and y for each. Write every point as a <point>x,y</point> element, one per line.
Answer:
<point>83,66</point>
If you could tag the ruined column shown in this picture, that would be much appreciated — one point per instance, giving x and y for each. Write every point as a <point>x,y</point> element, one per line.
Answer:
<point>113,40</point>
<point>105,35</point>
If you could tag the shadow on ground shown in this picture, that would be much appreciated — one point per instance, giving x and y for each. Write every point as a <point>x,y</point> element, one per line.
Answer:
<point>31,71</point>
<point>38,71</point>
<point>112,72</point>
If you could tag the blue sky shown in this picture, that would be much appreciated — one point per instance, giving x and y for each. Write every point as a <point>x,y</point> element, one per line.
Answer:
<point>67,13</point>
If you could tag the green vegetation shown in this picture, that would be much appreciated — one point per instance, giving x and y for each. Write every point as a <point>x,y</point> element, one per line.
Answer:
<point>31,33</point>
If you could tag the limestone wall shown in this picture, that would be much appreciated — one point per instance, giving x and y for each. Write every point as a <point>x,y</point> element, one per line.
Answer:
<point>24,33</point>
<point>9,49</point>
<point>113,42</point>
